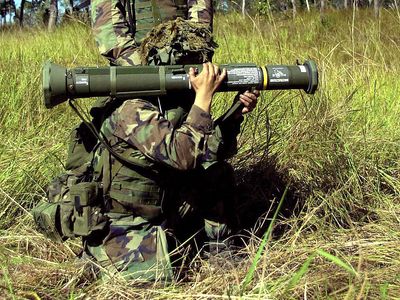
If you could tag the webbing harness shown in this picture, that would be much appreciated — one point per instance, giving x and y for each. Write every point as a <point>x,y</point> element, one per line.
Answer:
<point>144,15</point>
<point>104,173</point>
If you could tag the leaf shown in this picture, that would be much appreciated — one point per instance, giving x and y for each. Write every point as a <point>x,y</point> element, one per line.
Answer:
<point>299,274</point>
<point>336,260</point>
<point>384,290</point>
<point>250,272</point>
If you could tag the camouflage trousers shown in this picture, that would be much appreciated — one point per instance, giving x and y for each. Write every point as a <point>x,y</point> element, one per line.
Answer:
<point>133,248</point>
<point>136,248</point>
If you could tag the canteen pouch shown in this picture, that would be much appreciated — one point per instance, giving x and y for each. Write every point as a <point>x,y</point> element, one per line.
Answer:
<point>86,211</point>
<point>47,219</point>
<point>67,217</point>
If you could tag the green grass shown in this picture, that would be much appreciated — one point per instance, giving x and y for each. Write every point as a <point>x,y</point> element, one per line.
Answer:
<point>338,149</point>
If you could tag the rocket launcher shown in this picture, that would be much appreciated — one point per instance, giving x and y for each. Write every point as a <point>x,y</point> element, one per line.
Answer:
<point>61,84</point>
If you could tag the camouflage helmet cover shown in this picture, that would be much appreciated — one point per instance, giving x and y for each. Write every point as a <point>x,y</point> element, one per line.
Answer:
<point>177,42</point>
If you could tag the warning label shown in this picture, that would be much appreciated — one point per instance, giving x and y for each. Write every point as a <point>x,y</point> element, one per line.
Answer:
<point>82,79</point>
<point>280,80</point>
<point>245,76</point>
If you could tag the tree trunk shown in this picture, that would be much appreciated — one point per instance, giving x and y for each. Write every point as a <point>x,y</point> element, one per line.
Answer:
<point>21,13</point>
<point>322,8</point>
<point>294,8</point>
<point>308,5</point>
<point>243,7</point>
<point>376,8</point>
<point>14,9</point>
<point>53,14</point>
<point>346,4</point>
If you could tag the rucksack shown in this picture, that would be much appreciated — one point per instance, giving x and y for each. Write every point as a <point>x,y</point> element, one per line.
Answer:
<point>77,201</point>
<point>74,199</point>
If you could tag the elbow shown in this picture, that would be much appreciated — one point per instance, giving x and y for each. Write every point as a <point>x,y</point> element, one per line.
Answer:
<point>181,160</point>
<point>186,163</point>
<point>185,155</point>
<point>187,158</point>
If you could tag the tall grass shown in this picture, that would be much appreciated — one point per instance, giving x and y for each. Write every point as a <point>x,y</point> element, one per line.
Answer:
<point>338,149</point>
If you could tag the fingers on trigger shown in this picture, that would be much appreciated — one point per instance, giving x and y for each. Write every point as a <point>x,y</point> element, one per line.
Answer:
<point>206,67</point>
<point>245,99</point>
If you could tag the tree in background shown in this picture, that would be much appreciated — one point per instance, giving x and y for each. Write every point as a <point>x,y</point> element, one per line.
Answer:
<point>266,6</point>
<point>7,7</point>
<point>77,11</point>
<point>21,13</point>
<point>47,12</point>
<point>376,8</point>
<point>294,8</point>
<point>53,14</point>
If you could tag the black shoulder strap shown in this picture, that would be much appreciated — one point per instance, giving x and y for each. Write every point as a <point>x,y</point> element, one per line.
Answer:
<point>135,164</point>
<point>131,16</point>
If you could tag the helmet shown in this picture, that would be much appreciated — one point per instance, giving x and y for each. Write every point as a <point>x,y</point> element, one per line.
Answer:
<point>178,42</point>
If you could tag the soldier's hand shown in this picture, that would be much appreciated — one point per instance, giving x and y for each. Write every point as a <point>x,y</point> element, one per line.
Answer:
<point>206,84</point>
<point>249,100</point>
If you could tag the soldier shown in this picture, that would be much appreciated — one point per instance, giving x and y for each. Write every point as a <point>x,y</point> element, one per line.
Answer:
<point>153,188</point>
<point>163,201</point>
<point>178,192</point>
<point>119,26</point>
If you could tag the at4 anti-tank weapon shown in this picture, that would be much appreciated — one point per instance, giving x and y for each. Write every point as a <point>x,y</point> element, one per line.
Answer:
<point>61,84</point>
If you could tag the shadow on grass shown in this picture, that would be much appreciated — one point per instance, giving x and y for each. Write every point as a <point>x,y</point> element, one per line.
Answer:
<point>260,187</point>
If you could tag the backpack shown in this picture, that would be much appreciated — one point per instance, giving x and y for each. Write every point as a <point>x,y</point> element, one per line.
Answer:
<point>77,200</point>
<point>75,205</point>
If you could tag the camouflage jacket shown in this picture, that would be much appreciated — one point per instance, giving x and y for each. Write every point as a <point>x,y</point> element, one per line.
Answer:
<point>118,40</point>
<point>159,144</point>
<point>197,141</point>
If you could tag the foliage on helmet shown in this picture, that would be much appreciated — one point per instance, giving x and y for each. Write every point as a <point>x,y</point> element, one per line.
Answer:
<point>178,41</point>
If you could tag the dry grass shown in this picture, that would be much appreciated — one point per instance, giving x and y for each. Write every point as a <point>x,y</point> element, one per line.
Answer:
<point>338,152</point>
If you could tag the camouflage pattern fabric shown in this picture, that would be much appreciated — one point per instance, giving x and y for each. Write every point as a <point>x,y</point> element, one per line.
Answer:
<point>201,11</point>
<point>188,208</point>
<point>195,220</point>
<point>133,249</point>
<point>141,125</point>
<point>171,42</point>
<point>46,218</point>
<point>112,32</point>
<point>176,139</point>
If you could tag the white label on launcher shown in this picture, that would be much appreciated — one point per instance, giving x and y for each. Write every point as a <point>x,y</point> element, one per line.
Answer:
<point>279,80</point>
<point>303,69</point>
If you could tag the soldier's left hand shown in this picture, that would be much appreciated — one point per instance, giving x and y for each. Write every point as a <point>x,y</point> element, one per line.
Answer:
<point>249,100</point>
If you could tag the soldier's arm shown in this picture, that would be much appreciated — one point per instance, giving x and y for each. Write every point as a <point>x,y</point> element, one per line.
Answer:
<point>223,143</point>
<point>196,142</point>
<point>201,11</point>
<point>112,34</point>
<point>141,125</point>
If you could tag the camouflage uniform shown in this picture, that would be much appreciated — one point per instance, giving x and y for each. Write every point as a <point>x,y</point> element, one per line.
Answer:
<point>170,193</point>
<point>118,41</point>
<point>188,191</point>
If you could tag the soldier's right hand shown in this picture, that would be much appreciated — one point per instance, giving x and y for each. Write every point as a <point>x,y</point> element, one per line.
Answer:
<point>206,84</point>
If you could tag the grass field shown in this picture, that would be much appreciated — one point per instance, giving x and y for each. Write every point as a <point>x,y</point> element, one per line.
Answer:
<point>337,152</point>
